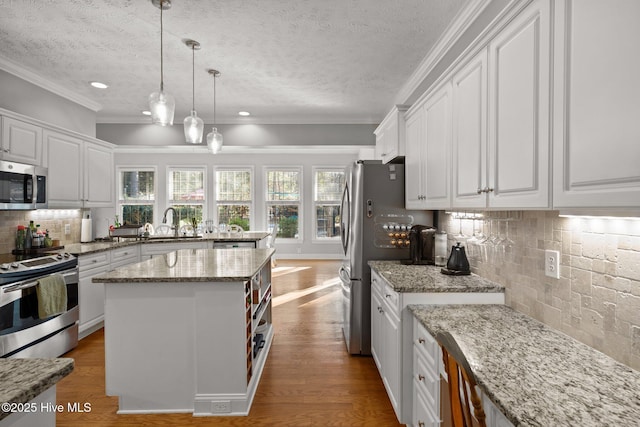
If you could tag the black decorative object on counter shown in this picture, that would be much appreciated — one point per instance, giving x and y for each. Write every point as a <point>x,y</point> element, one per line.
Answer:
<point>458,264</point>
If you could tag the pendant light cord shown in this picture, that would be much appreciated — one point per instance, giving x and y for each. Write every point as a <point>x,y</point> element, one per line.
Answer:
<point>161,64</point>
<point>193,77</point>
<point>214,99</point>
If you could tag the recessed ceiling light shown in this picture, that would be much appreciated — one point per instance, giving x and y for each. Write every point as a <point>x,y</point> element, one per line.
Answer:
<point>244,113</point>
<point>99,85</point>
<point>146,112</point>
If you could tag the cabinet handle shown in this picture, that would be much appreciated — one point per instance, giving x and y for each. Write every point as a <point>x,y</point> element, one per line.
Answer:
<point>387,296</point>
<point>421,340</point>
<point>420,377</point>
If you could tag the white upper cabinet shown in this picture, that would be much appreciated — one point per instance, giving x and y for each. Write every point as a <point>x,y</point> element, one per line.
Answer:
<point>21,141</point>
<point>63,155</point>
<point>437,112</point>
<point>519,108</point>
<point>596,104</point>
<point>414,164</point>
<point>428,151</point>
<point>98,175</point>
<point>469,147</point>
<point>390,135</point>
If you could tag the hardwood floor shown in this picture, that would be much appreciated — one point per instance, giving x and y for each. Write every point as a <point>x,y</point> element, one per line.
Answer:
<point>308,380</point>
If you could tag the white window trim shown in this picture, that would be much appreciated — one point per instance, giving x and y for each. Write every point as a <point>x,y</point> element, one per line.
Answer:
<point>316,239</point>
<point>121,202</point>
<point>251,169</point>
<point>300,202</point>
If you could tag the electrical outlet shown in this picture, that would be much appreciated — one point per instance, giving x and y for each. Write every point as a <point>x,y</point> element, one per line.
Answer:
<point>221,407</point>
<point>552,264</point>
<point>67,229</point>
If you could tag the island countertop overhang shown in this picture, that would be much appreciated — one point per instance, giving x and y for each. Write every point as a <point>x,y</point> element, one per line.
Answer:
<point>193,265</point>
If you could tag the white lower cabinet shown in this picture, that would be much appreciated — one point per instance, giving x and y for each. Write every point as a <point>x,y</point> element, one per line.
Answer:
<point>386,338</point>
<point>392,338</point>
<point>151,250</point>
<point>91,295</point>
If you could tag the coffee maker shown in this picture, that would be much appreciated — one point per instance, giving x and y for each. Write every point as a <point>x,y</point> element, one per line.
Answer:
<point>421,245</point>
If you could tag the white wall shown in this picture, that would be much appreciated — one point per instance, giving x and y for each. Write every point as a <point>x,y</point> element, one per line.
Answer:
<point>26,98</point>
<point>306,247</point>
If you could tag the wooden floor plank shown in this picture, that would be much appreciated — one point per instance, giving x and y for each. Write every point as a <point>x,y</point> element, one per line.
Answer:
<point>308,379</point>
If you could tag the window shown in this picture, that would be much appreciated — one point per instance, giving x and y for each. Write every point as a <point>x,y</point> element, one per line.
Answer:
<point>327,192</point>
<point>137,195</point>
<point>234,197</point>
<point>284,201</point>
<point>186,193</point>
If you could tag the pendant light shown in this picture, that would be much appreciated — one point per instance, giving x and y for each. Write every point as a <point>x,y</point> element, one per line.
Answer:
<point>193,125</point>
<point>214,138</point>
<point>161,104</point>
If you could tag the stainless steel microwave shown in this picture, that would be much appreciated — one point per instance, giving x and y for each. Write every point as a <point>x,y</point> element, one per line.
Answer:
<point>22,186</point>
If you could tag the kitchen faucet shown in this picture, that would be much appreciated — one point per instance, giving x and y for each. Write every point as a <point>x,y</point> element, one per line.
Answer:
<point>174,217</point>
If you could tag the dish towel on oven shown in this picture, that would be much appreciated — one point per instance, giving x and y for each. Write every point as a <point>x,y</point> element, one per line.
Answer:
<point>52,296</point>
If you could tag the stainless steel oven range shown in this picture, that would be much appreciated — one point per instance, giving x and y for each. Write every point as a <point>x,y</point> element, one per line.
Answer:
<point>29,326</point>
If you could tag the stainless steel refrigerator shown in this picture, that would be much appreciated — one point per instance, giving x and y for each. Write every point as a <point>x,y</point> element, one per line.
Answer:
<point>374,226</point>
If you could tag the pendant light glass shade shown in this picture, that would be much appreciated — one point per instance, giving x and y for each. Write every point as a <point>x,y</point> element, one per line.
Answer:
<point>214,138</point>
<point>214,141</point>
<point>161,104</point>
<point>162,107</point>
<point>193,128</point>
<point>193,125</point>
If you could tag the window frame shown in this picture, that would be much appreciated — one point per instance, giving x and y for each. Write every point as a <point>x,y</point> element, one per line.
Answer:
<point>299,202</point>
<point>251,203</point>
<point>122,202</point>
<point>316,202</point>
<point>168,185</point>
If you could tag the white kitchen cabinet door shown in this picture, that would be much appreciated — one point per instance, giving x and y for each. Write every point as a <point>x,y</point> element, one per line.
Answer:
<point>519,109</point>
<point>21,141</point>
<point>91,295</point>
<point>390,135</point>
<point>596,104</point>
<point>437,139</point>
<point>377,342</point>
<point>469,145</point>
<point>391,366</point>
<point>414,164</point>
<point>63,156</point>
<point>98,175</point>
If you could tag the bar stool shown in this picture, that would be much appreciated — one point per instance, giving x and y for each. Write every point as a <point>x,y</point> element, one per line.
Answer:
<point>462,385</point>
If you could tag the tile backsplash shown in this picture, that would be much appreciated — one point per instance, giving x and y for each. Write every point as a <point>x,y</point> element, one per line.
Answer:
<point>596,300</point>
<point>49,219</point>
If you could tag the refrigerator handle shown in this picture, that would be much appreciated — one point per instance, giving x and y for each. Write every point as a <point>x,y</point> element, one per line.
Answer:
<point>369,208</point>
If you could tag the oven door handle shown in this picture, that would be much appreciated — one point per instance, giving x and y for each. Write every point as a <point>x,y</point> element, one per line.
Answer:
<point>27,285</point>
<point>20,287</point>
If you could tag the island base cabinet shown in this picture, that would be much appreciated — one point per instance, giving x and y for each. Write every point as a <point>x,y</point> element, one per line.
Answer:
<point>180,347</point>
<point>43,414</point>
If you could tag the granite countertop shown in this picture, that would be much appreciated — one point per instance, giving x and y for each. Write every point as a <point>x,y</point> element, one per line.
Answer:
<point>536,375</point>
<point>193,265</point>
<point>428,278</point>
<point>100,246</point>
<point>21,380</point>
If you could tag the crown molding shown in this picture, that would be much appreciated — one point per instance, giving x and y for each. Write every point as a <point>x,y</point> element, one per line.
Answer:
<point>454,31</point>
<point>310,120</point>
<point>30,76</point>
<point>271,149</point>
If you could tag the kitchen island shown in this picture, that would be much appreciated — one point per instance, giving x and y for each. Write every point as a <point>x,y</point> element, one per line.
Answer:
<point>183,331</point>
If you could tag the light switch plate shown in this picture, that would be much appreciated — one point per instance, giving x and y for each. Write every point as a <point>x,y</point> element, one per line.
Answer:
<point>552,264</point>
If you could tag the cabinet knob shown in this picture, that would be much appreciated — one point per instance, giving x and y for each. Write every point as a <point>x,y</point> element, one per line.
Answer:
<point>479,191</point>
<point>421,340</point>
<point>420,423</point>
<point>420,377</point>
<point>487,190</point>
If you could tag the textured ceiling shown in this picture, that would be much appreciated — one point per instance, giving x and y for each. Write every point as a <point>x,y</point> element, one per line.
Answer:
<point>285,61</point>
